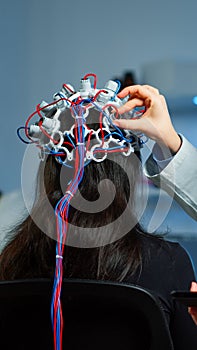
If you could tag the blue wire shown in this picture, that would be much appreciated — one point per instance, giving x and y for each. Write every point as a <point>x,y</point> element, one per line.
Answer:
<point>123,138</point>
<point>71,141</point>
<point>63,97</point>
<point>18,134</point>
<point>110,121</point>
<point>118,88</point>
<point>119,85</point>
<point>58,209</point>
<point>111,149</point>
<point>64,163</point>
<point>120,133</point>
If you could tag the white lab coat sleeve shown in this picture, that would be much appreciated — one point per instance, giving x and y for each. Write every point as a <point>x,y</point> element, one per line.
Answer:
<point>179,177</point>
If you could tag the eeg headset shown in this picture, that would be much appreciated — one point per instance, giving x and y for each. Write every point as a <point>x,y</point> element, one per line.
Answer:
<point>47,132</point>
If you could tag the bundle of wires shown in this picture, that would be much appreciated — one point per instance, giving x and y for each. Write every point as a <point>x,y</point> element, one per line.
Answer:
<point>61,212</point>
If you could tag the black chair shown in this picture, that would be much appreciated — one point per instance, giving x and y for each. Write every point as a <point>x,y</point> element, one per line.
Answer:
<point>97,316</point>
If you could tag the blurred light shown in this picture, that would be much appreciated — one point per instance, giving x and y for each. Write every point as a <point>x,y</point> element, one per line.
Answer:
<point>194,100</point>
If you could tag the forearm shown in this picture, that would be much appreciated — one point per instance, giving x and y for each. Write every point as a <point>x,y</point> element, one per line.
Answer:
<point>179,177</point>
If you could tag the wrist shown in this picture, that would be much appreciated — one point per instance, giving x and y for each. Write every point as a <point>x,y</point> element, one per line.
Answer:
<point>167,148</point>
<point>174,143</point>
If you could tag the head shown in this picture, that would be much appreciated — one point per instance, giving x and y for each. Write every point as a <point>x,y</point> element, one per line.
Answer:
<point>103,204</point>
<point>87,200</point>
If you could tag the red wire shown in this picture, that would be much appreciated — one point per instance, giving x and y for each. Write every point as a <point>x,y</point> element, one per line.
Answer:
<point>37,111</point>
<point>139,112</point>
<point>51,138</point>
<point>57,301</point>
<point>113,106</point>
<point>100,119</point>
<point>79,99</point>
<point>68,88</point>
<point>88,141</point>
<point>101,127</point>
<point>98,93</point>
<point>111,151</point>
<point>91,75</point>
<point>63,213</point>
<point>57,294</point>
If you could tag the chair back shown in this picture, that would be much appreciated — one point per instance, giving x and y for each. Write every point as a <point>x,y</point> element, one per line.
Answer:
<point>97,315</point>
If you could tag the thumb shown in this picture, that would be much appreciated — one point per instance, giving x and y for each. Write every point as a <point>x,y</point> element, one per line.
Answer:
<point>129,124</point>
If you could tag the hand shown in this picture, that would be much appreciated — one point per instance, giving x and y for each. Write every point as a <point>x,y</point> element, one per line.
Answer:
<point>155,121</point>
<point>193,310</point>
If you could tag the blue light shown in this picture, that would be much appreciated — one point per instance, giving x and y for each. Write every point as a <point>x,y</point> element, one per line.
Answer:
<point>194,100</point>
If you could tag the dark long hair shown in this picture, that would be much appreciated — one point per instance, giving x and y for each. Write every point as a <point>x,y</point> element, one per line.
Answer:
<point>31,253</point>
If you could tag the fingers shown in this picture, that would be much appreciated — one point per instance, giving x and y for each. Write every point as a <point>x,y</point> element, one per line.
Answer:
<point>139,95</point>
<point>152,89</point>
<point>131,124</point>
<point>135,102</point>
<point>141,91</point>
<point>193,287</point>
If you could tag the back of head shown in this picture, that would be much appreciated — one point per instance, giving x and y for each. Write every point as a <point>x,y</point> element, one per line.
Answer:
<point>86,193</point>
<point>89,164</point>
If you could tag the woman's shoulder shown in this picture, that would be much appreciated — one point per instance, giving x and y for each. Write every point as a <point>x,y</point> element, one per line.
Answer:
<point>166,264</point>
<point>164,249</point>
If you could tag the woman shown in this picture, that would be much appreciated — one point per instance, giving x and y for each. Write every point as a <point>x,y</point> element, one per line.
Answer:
<point>120,250</point>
